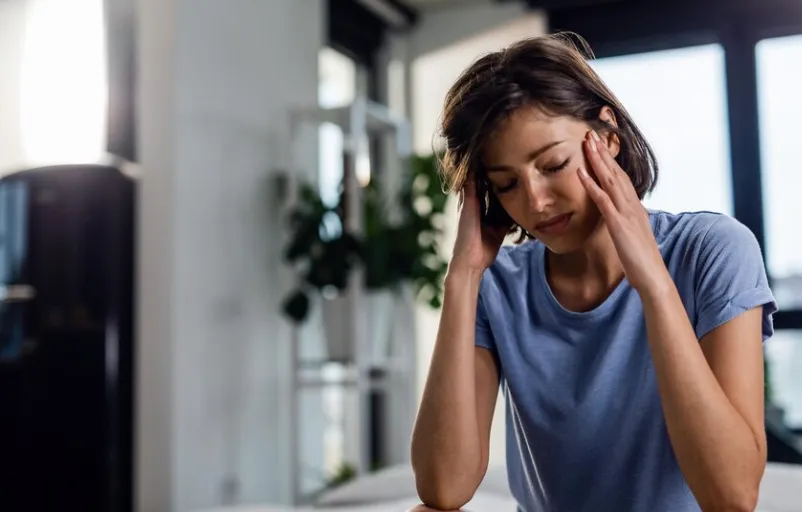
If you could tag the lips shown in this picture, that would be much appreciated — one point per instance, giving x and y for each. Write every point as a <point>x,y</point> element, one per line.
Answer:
<point>554,224</point>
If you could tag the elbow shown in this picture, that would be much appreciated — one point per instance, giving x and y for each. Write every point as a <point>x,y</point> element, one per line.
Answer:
<point>445,490</point>
<point>736,491</point>
<point>443,497</point>
<point>739,499</point>
<point>731,505</point>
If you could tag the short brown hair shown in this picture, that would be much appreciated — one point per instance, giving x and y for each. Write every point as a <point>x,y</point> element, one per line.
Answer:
<point>549,72</point>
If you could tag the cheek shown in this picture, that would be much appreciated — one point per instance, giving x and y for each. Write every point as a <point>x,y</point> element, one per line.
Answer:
<point>568,187</point>
<point>513,203</point>
<point>589,168</point>
<point>517,207</point>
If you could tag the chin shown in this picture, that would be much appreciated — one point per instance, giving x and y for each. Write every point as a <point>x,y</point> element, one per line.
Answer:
<point>575,238</point>
<point>563,245</point>
<point>570,241</point>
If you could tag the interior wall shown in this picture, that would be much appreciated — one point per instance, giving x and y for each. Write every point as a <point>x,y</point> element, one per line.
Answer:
<point>433,72</point>
<point>216,83</point>
<point>12,23</point>
<point>154,465</point>
<point>443,26</point>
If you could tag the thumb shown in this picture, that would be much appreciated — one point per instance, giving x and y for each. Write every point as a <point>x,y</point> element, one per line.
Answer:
<point>468,192</point>
<point>470,184</point>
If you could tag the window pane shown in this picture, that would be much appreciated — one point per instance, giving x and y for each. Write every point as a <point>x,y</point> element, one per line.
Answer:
<point>678,100</point>
<point>784,361</point>
<point>337,75</point>
<point>780,101</point>
<point>337,87</point>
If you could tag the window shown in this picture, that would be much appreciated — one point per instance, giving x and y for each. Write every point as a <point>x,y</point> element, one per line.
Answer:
<point>780,106</point>
<point>337,87</point>
<point>784,372</point>
<point>678,100</point>
<point>63,83</point>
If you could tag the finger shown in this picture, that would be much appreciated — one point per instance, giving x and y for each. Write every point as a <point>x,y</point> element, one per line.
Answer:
<point>599,196</point>
<point>606,176</point>
<point>468,192</point>
<point>494,235</point>
<point>470,184</point>
<point>623,178</point>
<point>605,154</point>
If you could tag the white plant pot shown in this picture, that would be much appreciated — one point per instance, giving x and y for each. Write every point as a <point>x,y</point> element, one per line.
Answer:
<point>337,328</point>
<point>377,315</point>
<point>380,314</point>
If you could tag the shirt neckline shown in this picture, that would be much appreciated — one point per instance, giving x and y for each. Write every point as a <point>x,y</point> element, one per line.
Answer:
<point>599,311</point>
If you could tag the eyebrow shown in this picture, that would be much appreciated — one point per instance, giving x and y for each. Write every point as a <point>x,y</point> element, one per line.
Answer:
<point>533,155</point>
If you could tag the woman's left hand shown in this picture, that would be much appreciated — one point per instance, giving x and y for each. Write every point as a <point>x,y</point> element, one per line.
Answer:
<point>626,218</point>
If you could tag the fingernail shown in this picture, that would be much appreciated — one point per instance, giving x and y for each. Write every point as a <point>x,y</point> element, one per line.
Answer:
<point>595,136</point>
<point>592,144</point>
<point>583,173</point>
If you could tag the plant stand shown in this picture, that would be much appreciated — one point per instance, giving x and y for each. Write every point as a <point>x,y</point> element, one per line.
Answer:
<point>366,372</point>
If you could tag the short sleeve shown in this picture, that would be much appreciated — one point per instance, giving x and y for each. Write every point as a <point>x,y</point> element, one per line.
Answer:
<point>731,277</point>
<point>484,336</point>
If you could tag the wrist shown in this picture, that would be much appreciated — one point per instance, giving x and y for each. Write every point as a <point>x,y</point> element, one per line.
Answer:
<point>462,275</point>
<point>657,289</point>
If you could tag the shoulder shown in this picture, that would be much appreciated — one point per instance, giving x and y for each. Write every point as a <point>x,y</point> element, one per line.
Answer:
<point>702,231</point>
<point>718,254</point>
<point>718,266</point>
<point>514,260</point>
<point>690,224</point>
<point>513,267</point>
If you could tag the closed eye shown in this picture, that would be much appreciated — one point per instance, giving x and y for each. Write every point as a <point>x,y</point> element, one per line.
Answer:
<point>506,187</point>
<point>560,167</point>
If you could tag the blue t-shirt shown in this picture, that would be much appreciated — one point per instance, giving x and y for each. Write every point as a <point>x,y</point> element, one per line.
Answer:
<point>585,428</point>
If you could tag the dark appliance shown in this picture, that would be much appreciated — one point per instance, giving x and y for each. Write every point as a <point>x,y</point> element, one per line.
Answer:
<point>66,339</point>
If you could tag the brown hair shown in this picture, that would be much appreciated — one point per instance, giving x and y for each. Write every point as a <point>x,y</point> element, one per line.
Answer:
<point>551,73</point>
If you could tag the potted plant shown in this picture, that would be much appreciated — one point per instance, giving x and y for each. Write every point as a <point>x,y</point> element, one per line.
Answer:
<point>397,246</point>
<point>344,473</point>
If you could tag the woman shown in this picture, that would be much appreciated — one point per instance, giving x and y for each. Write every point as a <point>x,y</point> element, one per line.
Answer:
<point>628,342</point>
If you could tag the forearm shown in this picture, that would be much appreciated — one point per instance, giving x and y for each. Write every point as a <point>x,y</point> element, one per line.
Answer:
<point>718,453</point>
<point>446,448</point>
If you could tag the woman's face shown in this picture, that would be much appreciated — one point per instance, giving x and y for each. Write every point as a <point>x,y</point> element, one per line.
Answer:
<point>531,162</point>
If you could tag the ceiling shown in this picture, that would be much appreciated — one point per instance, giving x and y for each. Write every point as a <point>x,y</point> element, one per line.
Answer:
<point>423,4</point>
<point>547,4</point>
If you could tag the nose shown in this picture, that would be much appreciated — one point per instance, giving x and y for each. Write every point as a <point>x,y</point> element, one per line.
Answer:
<point>538,192</point>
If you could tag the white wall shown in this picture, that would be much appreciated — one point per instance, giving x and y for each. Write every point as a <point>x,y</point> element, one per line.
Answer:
<point>440,50</point>
<point>216,82</point>
<point>12,22</point>
<point>443,26</point>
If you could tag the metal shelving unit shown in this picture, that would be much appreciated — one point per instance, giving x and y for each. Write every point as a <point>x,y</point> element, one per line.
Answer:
<point>363,374</point>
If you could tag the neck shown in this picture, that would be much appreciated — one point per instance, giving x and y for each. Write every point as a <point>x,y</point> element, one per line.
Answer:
<point>596,262</point>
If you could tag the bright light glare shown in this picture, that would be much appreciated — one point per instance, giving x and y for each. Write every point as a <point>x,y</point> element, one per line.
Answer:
<point>64,85</point>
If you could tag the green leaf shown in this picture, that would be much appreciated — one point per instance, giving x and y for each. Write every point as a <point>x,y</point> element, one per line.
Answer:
<point>296,306</point>
<point>390,253</point>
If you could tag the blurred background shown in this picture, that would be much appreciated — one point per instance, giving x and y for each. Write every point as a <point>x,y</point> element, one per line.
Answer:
<point>223,238</point>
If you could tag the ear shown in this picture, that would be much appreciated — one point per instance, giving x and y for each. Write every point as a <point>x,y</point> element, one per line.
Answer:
<point>607,116</point>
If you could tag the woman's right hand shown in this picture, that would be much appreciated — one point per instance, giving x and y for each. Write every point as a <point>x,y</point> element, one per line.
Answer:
<point>477,245</point>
